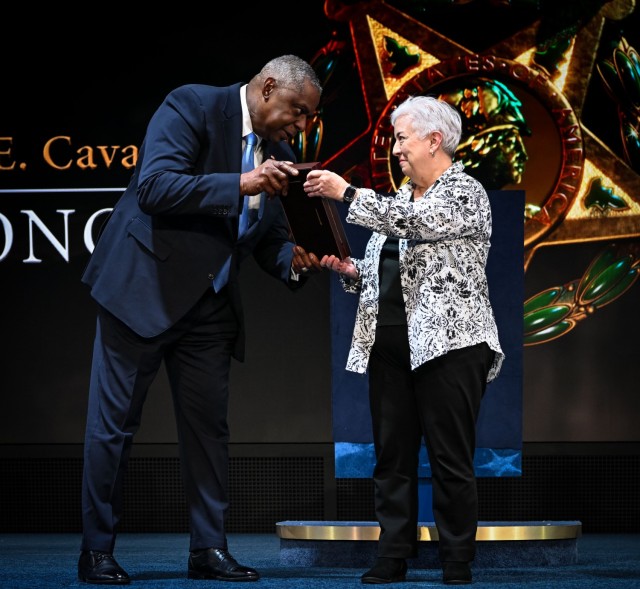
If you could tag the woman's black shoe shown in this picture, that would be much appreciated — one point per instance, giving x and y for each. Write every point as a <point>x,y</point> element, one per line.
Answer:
<point>456,573</point>
<point>386,570</point>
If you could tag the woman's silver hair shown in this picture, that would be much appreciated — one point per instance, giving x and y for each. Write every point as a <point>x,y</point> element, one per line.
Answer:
<point>428,114</point>
<point>290,71</point>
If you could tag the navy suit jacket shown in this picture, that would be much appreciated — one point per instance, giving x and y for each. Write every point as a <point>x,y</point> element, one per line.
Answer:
<point>176,223</point>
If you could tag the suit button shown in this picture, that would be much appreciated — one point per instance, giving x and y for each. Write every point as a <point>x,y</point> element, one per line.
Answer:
<point>211,276</point>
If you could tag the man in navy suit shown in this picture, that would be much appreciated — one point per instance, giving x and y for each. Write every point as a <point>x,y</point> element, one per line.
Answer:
<point>164,273</point>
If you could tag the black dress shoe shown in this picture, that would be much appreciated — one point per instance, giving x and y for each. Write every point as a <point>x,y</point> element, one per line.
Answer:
<point>216,563</point>
<point>386,570</point>
<point>99,567</point>
<point>456,573</point>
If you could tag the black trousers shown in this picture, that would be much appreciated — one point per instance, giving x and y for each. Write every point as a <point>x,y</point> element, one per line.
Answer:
<point>197,356</point>
<point>439,402</point>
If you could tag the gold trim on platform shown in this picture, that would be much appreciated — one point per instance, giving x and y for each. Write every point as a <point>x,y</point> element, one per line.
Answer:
<point>427,533</point>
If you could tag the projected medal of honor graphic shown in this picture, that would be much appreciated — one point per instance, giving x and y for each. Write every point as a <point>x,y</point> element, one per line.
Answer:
<point>522,131</point>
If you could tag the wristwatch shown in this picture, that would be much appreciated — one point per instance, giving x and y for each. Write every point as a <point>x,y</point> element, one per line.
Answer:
<point>349,194</point>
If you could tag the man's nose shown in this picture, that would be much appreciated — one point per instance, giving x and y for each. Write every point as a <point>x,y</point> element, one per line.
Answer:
<point>301,123</point>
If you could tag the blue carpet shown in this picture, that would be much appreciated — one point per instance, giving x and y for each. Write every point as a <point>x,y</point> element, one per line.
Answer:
<point>158,561</point>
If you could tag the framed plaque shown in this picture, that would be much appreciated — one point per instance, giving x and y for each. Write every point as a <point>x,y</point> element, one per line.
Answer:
<point>314,221</point>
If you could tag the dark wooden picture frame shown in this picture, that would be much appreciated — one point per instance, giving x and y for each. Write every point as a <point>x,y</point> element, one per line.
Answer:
<point>314,222</point>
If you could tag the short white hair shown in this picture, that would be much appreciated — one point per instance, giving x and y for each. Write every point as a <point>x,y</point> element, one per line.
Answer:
<point>428,114</point>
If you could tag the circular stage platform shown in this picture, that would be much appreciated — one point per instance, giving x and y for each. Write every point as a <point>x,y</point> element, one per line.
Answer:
<point>499,544</point>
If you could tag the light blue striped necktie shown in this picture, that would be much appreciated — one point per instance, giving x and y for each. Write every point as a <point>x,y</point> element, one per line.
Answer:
<point>248,163</point>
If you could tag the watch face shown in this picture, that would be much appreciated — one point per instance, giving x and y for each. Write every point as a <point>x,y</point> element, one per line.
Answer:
<point>349,194</point>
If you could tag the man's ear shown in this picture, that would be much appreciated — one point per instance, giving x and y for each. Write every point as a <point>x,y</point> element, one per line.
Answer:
<point>267,88</point>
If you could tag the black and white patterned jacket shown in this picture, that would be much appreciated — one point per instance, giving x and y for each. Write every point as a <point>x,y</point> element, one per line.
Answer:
<point>443,249</point>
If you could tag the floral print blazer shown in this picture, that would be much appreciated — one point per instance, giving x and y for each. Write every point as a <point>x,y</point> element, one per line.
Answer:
<point>443,249</point>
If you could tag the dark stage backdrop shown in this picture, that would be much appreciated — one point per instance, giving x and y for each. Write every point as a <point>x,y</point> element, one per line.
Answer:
<point>75,101</point>
<point>76,98</point>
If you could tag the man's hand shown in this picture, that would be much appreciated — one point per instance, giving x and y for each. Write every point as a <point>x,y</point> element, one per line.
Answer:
<point>304,262</point>
<point>271,176</point>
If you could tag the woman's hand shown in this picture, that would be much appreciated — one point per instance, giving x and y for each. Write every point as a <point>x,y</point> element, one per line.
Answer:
<point>325,183</point>
<point>344,267</point>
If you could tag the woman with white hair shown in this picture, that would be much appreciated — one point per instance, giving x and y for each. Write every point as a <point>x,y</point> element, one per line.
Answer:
<point>424,331</point>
